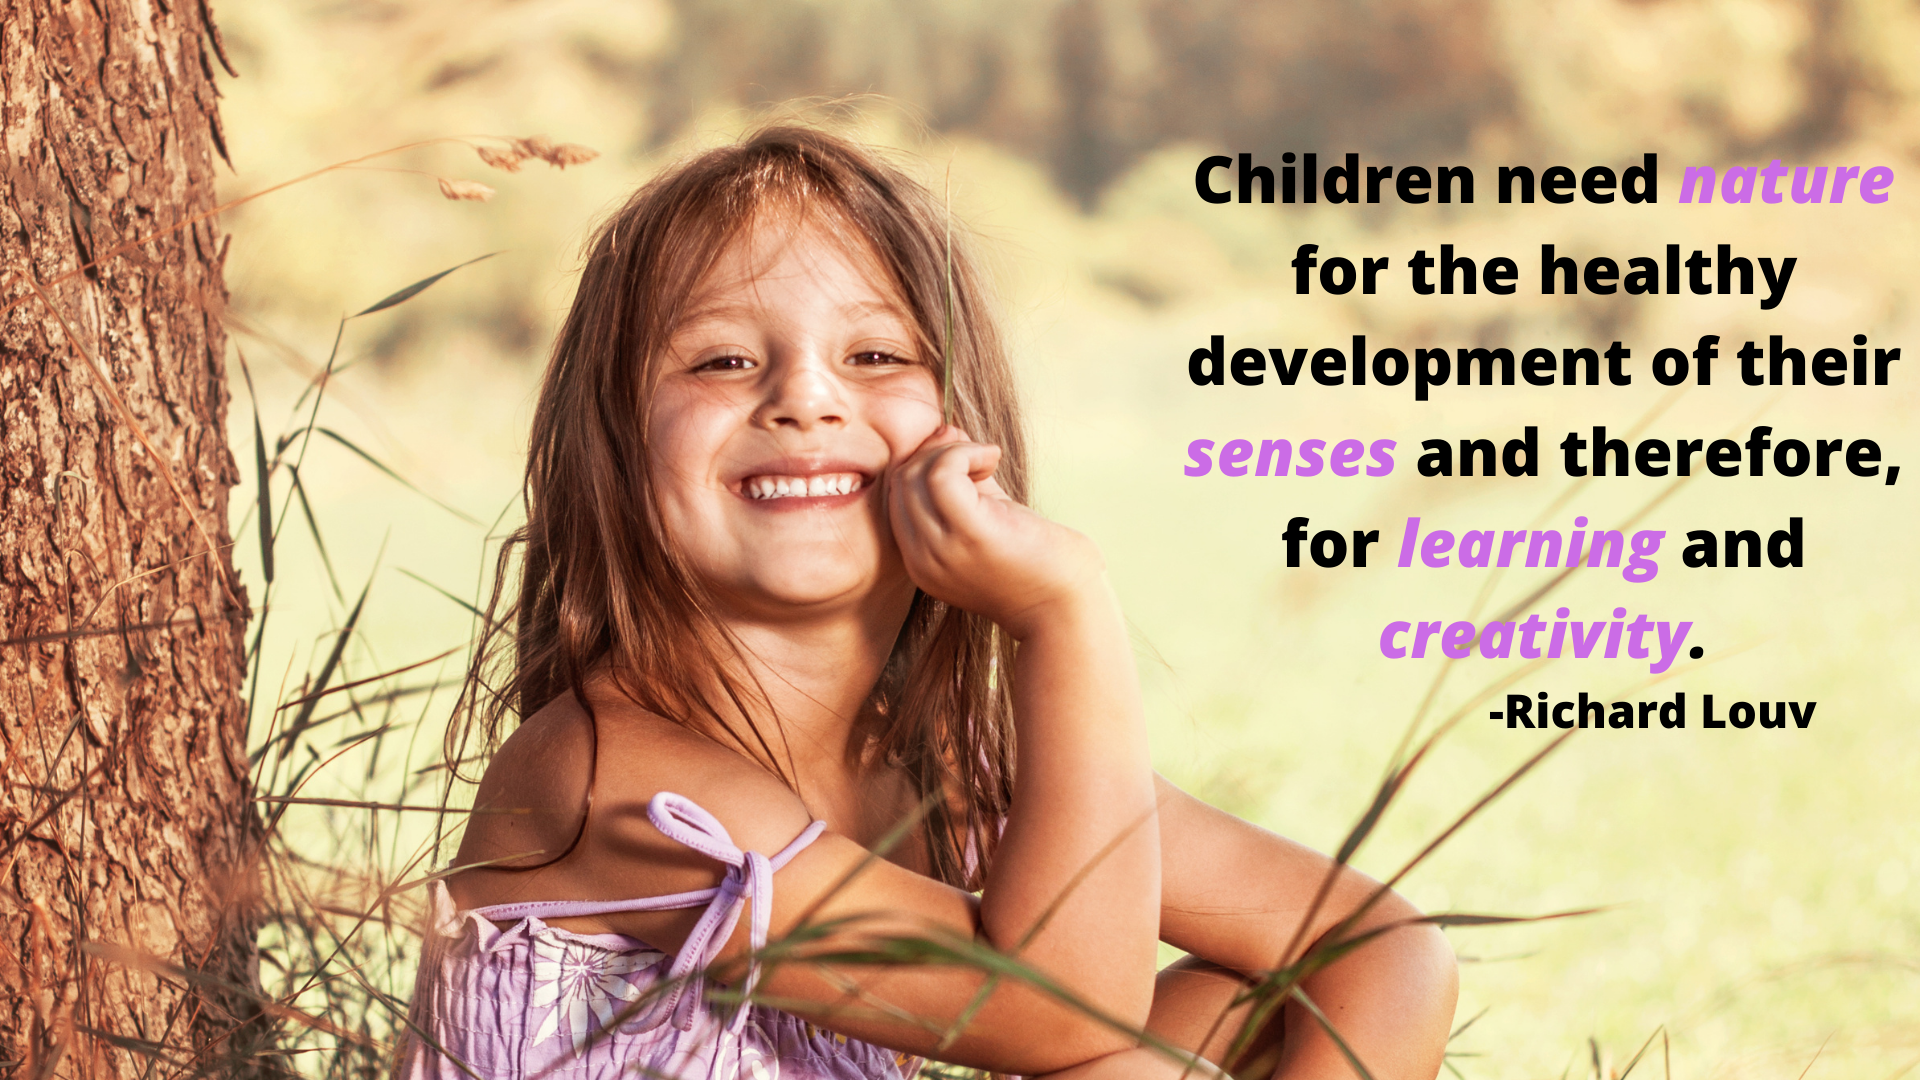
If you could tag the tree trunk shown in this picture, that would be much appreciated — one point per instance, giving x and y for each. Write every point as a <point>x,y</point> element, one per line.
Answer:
<point>126,827</point>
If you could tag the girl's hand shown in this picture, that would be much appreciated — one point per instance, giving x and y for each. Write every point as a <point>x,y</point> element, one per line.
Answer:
<point>966,542</point>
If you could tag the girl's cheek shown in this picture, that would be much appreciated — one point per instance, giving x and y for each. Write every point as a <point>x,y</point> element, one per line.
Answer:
<point>911,419</point>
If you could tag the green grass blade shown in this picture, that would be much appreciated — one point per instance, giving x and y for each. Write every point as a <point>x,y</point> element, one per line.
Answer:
<point>476,612</point>
<point>946,342</point>
<point>313,528</point>
<point>333,663</point>
<point>1382,798</point>
<point>1327,1026</point>
<point>261,472</point>
<point>416,288</point>
<point>401,480</point>
<point>1461,1030</point>
<point>266,498</point>
<point>1644,1047</point>
<point>317,388</point>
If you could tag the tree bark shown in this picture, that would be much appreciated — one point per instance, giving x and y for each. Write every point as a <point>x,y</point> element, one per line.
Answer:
<point>126,825</point>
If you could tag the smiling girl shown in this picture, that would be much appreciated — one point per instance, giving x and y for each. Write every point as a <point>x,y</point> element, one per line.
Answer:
<point>783,642</point>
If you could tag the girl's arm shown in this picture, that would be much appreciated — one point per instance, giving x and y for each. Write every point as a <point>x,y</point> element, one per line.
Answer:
<point>1222,889</point>
<point>1074,888</point>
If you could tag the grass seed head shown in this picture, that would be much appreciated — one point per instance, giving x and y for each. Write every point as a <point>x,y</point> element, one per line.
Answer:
<point>504,160</point>
<point>571,154</point>
<point>465,189</point>
<point>558,155</point>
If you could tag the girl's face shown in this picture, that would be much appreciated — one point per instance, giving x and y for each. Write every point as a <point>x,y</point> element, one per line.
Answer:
<point>790,388</point>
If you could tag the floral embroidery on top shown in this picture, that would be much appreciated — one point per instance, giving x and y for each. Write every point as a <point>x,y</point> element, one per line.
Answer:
<point>581,983</point>
<point>756,1058</point>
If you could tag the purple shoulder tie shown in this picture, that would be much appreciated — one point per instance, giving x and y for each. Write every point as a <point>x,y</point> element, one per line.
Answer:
<point>749,875</point>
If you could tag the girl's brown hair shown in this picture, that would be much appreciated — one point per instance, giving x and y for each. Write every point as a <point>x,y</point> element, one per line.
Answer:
<point>598,588</point>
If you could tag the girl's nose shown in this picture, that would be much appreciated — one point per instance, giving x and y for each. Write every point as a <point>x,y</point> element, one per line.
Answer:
<point>802,396</point>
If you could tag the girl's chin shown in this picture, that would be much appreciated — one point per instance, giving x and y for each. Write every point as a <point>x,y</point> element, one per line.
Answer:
<point>812,595</point>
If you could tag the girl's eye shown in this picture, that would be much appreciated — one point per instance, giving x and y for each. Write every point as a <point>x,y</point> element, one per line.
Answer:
<point>874,357</point>
<point>725,363</point>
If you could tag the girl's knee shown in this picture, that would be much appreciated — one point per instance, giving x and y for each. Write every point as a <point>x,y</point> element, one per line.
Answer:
<point>1422,948</point>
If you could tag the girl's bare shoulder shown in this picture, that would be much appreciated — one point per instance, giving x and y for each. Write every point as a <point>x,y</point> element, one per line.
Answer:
<point>642,754</point>
<point>534,794</point>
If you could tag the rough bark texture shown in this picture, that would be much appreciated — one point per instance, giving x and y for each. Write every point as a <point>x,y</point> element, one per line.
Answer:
<point>124,801</point>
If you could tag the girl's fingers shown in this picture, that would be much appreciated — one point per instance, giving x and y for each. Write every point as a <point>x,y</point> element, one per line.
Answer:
<point>945,476</point>
<point>991,488</point>
<point>945,497</point>
<point>946,510</point>
<point>929,449</point>
<point>900,478</point>
<point>910,487</point>
<point>954,476</point>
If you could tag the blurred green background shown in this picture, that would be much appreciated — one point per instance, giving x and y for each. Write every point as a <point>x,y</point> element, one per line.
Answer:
<point>1766,884</point>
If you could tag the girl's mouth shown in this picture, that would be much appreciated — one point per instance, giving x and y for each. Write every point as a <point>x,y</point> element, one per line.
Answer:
<point>818,485</point>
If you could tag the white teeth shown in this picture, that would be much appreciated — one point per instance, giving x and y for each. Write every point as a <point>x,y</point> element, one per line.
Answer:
<point>778,487</point>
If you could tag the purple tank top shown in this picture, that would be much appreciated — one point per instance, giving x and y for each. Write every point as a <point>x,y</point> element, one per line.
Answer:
<point>536,1000</point>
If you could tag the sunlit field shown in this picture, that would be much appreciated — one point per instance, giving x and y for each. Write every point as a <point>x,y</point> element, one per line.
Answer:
<point>1761,888</point>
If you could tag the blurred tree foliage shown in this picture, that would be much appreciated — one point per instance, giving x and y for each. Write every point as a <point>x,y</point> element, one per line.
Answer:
<point>1088,90</point>
<point>1090,86</point>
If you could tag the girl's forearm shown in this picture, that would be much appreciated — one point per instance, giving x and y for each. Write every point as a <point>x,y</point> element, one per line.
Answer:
<point>1238,895</point>
<point>1075,885</point>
